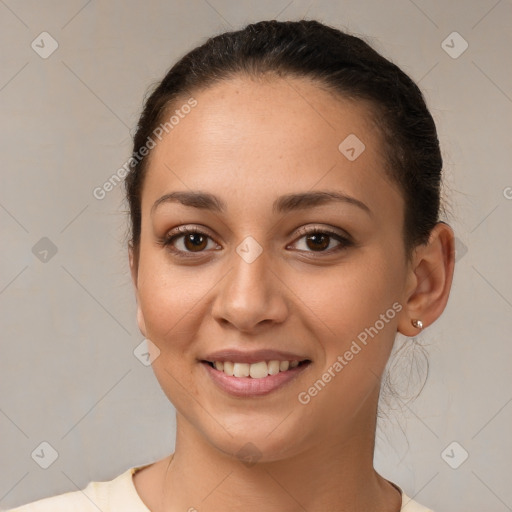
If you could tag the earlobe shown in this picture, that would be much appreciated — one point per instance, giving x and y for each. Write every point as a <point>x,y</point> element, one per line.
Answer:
<point>429,281</point>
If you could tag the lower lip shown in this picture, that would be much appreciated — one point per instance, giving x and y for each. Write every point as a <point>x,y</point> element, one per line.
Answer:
<point>247,386</point>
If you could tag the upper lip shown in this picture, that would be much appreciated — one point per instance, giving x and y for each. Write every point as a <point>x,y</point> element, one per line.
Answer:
<point>254,356</point>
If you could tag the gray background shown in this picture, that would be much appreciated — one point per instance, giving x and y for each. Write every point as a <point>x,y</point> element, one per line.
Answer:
<point>69,374</point>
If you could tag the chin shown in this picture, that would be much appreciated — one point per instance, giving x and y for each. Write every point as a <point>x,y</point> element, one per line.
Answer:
<point>252,444</point>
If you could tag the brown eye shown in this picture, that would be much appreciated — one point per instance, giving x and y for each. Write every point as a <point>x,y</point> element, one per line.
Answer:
<point>187,242</point>
<point>319,240</point>
<point>194,241</point>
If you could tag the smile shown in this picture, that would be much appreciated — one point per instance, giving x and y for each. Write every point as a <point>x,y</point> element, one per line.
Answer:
<point>255,370</point>
<point>253,379</point>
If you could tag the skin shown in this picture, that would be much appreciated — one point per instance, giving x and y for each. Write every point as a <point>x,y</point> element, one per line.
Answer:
<point>249,142</point>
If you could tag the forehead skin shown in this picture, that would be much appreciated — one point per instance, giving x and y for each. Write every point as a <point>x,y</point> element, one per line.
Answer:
<point>250,141</point>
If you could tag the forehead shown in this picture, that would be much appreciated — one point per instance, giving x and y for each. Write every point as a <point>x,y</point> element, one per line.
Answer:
<point>246,138</point>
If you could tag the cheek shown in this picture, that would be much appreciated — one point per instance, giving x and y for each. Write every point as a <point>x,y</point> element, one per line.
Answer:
<point>352,296</point>
<point>358,303</point>
<point>170,298</point>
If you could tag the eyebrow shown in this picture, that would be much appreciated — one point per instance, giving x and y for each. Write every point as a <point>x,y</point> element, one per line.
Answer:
<point>283,204</point>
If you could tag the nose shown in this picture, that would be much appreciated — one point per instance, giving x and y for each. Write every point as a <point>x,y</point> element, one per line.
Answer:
<point>250,296</point>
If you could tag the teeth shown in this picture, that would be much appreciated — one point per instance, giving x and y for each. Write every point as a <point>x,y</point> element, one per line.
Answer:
<point>228,368</point>
<point>273,367</point>
<point>241,369</point>
<point>284,365</point>
<point>258,370</point>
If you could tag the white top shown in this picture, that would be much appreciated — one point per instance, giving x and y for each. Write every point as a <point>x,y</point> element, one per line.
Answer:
<point>120,495</point>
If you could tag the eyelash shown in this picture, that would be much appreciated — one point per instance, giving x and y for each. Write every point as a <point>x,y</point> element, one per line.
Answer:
<point>167,241</point>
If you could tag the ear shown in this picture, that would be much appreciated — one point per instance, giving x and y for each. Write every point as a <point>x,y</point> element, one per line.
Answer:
<point>133,257</point>
<point>429,280</point>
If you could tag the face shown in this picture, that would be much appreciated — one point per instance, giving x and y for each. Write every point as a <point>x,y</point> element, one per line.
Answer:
<point>317,278</point>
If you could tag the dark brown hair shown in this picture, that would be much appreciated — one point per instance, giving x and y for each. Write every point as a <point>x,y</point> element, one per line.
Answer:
<point>336,60</point>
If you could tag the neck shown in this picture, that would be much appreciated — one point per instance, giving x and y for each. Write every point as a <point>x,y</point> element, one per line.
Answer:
<point>336,473</point>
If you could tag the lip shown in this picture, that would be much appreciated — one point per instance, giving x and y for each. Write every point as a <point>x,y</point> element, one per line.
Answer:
<point>254,356</point>
<point>247,387</point>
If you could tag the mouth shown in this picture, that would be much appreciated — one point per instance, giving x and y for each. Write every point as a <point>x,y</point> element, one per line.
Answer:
<point>258,370</point>
<point>246,380</point>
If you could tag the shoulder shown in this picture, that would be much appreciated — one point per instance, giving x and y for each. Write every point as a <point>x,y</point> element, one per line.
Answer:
<point>81,501</point>
<point>114,495</point>
<point>409,505</point>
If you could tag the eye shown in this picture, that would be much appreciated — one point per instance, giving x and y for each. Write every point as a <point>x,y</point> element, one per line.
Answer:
<point>187,241</point>
<point>194,241</point>
<point>320,239</point>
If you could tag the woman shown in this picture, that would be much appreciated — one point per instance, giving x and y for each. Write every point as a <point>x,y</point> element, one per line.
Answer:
<point>285,224</point>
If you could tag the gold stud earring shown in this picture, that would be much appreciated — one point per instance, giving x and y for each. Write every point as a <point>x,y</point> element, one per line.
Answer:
<point>417,323</point>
